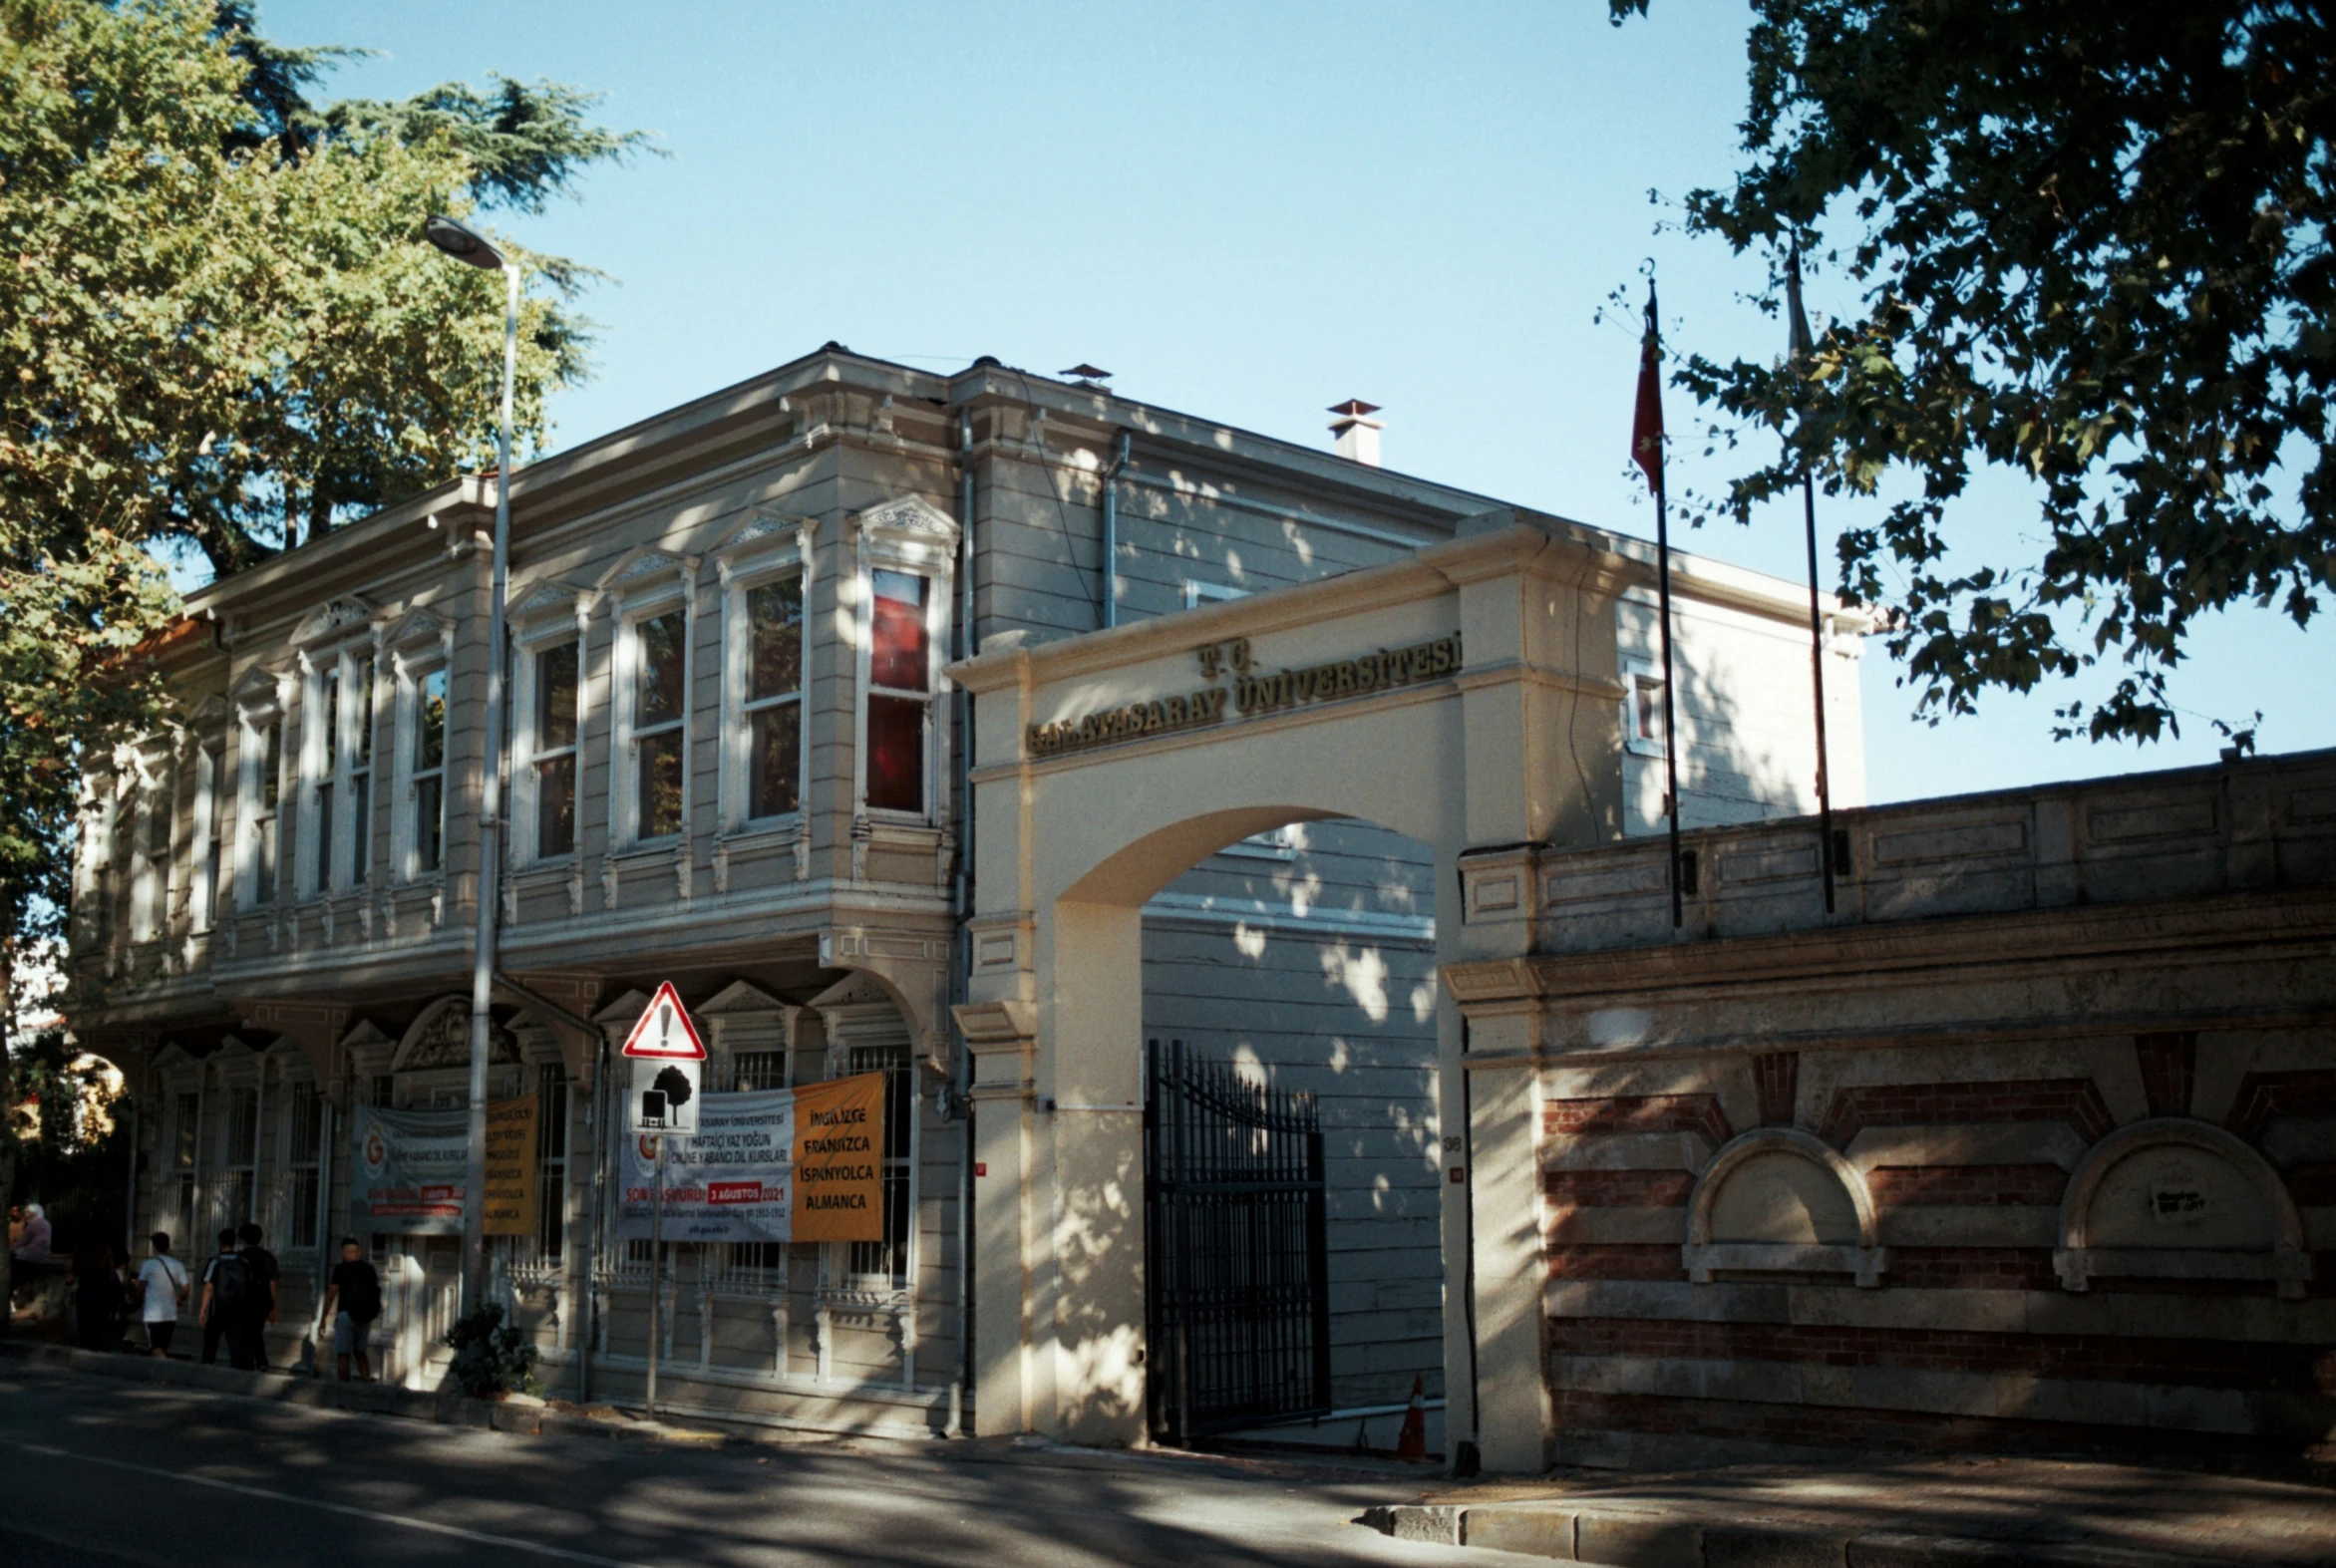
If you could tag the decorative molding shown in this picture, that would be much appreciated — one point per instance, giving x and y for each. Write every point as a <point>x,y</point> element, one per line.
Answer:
<point>908,516</point>
<point>1866,1260</point>
<point>334,618</point>
<point>441,1037</point>
<point>2079,1262</point>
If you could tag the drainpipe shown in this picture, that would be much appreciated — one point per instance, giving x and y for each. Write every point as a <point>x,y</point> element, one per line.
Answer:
<point>597,1136</point>
<point>1111,534</point>
<point>960,981</point>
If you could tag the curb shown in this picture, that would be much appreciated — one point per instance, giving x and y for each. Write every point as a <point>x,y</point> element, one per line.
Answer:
<point>1628,1538</point>
<point>519,1415</point>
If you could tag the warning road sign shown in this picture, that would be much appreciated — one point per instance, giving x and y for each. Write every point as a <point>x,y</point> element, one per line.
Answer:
<point>665,1030</point>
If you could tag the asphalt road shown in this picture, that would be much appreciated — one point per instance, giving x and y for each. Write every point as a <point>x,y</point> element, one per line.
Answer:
<point>101,1474</point>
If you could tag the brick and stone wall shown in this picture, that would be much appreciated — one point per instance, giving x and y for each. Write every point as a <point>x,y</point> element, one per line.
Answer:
<point>2030,1146</point>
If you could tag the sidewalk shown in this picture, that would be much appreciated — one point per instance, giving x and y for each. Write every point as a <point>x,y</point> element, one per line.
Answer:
<point>1915,1513</point>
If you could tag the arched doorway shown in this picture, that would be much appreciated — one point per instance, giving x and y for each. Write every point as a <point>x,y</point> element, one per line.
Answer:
<point>1452,697</point>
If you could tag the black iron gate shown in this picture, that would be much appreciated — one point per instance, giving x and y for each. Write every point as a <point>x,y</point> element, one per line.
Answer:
<point>1236,1281</point>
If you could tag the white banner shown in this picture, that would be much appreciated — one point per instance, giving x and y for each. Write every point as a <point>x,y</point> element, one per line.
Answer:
<point>734,1181</point>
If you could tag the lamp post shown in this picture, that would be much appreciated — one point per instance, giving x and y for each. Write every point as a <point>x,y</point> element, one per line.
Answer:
<point>471,249</point>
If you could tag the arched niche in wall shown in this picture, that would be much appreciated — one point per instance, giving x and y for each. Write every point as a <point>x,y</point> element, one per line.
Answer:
<point>2174,1198</point>
<point>1778,1200</point>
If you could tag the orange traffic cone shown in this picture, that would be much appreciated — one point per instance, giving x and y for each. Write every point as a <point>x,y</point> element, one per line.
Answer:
<point>1412,1441</point>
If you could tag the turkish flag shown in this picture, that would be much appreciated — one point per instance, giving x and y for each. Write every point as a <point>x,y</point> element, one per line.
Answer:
<point>1646,429</point>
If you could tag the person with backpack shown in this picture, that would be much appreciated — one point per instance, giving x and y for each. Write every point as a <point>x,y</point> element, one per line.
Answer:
<point>260,1309</point>
<point>226,1293</point>
<point>162,1290</point>
<point>355,1289</point>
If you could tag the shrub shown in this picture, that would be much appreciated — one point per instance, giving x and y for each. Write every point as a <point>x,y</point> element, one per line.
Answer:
<point>492,1358</point>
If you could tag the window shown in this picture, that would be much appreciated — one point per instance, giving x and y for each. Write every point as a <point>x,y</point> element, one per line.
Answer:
<point>328,710</point>
<point>1642,709</point>
<point>304,1163</point>
<point>556,750</point>
<point>773,708</point>
<point>239,1156</point>
<point>899,691</point>
<point>427,797</point>
<point>757,1069</point>
<point>657,742</point>
<point>356,767</point>
<point>186,1122</point>
<point>151,860</point>
<point>263,781</point>
<point>888,1258</point>
<point>551,1118</point>
<point>203,904</point>
<point>340,759</point>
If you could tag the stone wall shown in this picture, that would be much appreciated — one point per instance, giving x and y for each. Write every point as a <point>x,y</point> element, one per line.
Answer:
<point>2030,1145</point>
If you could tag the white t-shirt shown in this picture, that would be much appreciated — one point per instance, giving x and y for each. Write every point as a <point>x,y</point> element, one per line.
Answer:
<point>162,1278</point>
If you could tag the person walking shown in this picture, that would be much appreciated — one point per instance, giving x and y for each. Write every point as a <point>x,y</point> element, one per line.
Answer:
<point>97,1300</point>
<point>162,1283</point>
<point>226,1287</point>
<point>355,1291</point>
<point>260,1311</point>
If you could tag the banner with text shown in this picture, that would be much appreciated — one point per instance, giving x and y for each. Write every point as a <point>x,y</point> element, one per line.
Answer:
<point>779,1164</point>
<point>406,1169</point>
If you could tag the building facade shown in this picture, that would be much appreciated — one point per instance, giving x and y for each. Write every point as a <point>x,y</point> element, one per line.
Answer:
<point>738,761</point>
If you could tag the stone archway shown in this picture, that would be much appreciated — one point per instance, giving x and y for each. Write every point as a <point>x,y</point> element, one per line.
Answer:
<point>1452,696</point>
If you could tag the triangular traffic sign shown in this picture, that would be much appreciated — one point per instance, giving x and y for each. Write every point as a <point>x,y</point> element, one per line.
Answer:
<point>665,1030</point>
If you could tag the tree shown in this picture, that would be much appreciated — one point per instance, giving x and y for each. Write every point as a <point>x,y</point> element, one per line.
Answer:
<point>2091,245</point>
<point>220,334</point>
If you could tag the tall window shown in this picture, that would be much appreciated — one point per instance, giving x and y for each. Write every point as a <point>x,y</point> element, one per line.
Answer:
<point>324,753</point>
<point>773,697</point>
<point>429,793</point>
<point>551,1118</point>
<point>356,767</point>
<point>187,1139</point>
<point>304,1163</point>
<point>263,782</point>
<point>203,903</point>
<point>899,691</point>
<point>151,861</point>
<point>342,759</point>
<point>239,1155</point>
<point>888,1258</point>
<point>556,750</point>
<point>658,740</point>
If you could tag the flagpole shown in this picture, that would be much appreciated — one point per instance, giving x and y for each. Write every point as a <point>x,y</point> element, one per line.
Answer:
<point>1670,707</point>
<point>1825,792</point>
<point>1650,361</point>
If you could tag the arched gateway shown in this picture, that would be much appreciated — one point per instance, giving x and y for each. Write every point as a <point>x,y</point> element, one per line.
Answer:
<point>1471,697</point>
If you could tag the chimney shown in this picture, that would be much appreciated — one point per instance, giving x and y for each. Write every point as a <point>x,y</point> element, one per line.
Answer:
<point>1356,431</point>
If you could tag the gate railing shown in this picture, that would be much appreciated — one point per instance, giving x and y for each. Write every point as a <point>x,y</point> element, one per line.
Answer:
<point>1236,1283</point>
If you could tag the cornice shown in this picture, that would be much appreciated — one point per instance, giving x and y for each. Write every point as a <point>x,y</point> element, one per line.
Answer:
<point>2256,926</point>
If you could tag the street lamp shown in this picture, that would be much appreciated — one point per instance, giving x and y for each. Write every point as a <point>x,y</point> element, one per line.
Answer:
<point>471,249</point>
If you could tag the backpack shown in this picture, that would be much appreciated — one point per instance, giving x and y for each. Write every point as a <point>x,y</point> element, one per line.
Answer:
<point>231,1283</point>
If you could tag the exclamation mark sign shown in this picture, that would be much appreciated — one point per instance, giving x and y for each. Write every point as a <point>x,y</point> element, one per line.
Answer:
<point>665,1026</point>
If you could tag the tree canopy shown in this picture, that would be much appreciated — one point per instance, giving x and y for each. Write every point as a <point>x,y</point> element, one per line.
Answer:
<point>221,333</point>
<point>2088,245</point>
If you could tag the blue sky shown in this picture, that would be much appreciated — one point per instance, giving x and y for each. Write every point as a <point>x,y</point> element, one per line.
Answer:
<point>1247,212</point>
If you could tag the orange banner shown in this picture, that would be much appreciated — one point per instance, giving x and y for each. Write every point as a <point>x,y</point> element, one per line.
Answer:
<point>839,1159</point>
<point>511,1167</point>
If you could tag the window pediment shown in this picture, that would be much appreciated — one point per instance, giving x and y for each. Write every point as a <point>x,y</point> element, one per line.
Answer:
<point>907,518</point>
<point>261,692</point>
<point>418,629</point>
<point>551,605</point>
<point>336,618</point>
